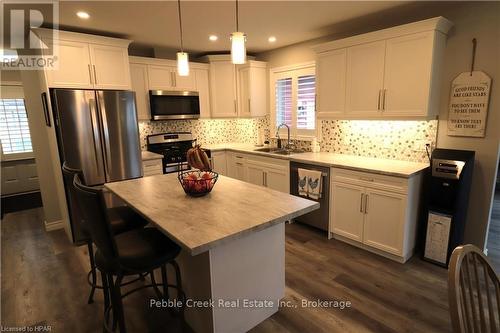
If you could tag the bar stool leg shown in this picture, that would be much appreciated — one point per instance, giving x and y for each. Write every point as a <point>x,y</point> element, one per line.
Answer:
<point>118,304</point>
<point>93,272</point>
<point>180,292</point>
<point>164,281</point>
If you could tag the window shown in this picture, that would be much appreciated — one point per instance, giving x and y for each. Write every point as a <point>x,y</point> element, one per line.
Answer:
<point>14,131</point>
<point>294,91</point>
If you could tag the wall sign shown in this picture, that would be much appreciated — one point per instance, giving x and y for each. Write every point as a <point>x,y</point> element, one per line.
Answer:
<point>470,94</point>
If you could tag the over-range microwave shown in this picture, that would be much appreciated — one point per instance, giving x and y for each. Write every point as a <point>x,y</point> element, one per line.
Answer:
<point>167,105</point>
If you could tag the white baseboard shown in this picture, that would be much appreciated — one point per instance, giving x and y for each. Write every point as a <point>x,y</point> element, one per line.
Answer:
<point>54,225</point>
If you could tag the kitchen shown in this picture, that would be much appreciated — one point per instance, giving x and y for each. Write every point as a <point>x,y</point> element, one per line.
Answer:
<point>364,105</point>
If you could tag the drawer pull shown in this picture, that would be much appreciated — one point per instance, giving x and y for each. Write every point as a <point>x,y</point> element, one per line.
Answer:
<point>366,179</point>
<point>361,204</point>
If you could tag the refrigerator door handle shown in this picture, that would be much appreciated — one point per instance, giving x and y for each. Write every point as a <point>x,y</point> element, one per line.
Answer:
<point>96,136</point>
<point>105,136</point>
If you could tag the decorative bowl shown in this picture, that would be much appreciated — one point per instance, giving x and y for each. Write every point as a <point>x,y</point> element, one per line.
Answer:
<point>197,183</point>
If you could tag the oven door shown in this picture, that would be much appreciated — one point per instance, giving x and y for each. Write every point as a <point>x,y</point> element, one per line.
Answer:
<point>167,105</point>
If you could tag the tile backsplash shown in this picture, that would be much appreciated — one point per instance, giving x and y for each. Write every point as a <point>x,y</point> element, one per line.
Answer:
<point>209,131</point>
<point>401,140</point>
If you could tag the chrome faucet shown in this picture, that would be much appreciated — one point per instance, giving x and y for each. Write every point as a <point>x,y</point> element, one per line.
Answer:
<point>278,135</point>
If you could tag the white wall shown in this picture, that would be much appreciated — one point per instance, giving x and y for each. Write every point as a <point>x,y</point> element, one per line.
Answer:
<point>472,19</point>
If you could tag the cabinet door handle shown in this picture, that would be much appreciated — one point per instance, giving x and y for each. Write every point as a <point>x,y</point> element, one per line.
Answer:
<point>265,179</point>
<point>383,99</point>
<point>378,103</point>
<point>45,106</point>
<point>95,75</point>
<point>175,79</point>
<point>90,74</point>
<point>235,109</point>
<point>249,106</point>
<point>366,179</point>
<point>361,204</point>
<point>366,203</point>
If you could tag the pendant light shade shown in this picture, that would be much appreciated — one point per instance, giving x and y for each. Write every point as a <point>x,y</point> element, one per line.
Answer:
<point>238,47</point>
<point>182,57</point>
<point>182,64</point>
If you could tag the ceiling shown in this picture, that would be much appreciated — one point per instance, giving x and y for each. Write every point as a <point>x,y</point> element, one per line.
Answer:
<point>154,24</point>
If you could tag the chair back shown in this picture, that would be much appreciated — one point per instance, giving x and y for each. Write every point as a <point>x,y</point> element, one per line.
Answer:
<point>93,209</point>
<point>474,292</point>
<point>75,214</point>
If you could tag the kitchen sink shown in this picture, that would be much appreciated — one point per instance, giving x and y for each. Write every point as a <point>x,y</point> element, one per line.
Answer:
<point>279,151</point>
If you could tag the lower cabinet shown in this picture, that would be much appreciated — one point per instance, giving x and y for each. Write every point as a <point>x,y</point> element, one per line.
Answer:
<point>152,167</point>
<point>375,212</point>
<point>263,171</point>
<point>219,162</point>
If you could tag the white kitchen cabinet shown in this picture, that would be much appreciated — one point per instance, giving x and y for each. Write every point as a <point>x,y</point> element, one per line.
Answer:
<point>161,77</point>
<point>273,173</point>
<point>223,89</point>
<point>365,78</point>
<point>252,89</point>
<point>187,83</point>
<point>202,86</point>
<point>139,78</point>
<point>88,61</point>
<point>408,65</point>
<point>278,179</point>
<point>376,212</point>
<point>330,91</point>
<point>237,91</point>
<point>111,67</point>
<point>256,174</point>
<point>236,167</point>
<point>347,215</point>
<point>393,73</point>
<point>75,70</point>
<point>384,220</point>
<point>152,167</point>
<point>219,162</point>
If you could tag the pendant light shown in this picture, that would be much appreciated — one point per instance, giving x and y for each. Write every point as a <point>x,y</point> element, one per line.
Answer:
<point>182,57</point>
<point>238,40</point>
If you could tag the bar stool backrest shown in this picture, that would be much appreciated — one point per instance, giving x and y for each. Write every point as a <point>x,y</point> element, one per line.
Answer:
<point>93,208</point>
<point>76,215</point>
<point>474,292</point>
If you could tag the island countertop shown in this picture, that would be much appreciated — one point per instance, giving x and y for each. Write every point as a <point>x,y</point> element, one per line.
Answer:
<point>232,210</point>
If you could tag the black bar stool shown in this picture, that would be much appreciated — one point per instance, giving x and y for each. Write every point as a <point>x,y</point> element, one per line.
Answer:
<point>139,251</point>
<point>122,219</point>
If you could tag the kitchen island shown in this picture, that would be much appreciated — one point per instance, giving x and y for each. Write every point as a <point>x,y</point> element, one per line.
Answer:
<point>233,242</point>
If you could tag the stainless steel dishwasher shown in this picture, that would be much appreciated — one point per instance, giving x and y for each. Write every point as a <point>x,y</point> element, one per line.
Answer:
<point>320,217</point>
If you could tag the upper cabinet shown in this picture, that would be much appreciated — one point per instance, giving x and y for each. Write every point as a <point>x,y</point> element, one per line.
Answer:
<point>251,87</point>
<point>166,78</point>
<point>88,61</point>
<point>161,74</point>
<point>388,74</point>
<point>237,90</point>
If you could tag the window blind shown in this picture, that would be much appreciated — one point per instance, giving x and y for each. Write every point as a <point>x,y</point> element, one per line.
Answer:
<point>14,131</point>
<point>284,101</point>
<point>306,99</point>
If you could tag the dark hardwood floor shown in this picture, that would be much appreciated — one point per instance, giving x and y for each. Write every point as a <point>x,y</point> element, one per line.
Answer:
<point>43,282</point>
<point>493,243</point>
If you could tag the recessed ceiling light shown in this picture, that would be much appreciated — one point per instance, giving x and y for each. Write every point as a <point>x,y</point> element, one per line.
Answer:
<point>83,15</point>
<point>271,39</point>
<point>213,38</point>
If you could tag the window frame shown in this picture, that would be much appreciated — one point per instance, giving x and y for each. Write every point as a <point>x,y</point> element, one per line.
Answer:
<point>14,90</point>
<point>293,72</point>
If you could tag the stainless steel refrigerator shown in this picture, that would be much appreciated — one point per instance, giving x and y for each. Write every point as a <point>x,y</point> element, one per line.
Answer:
<point>98,133</point>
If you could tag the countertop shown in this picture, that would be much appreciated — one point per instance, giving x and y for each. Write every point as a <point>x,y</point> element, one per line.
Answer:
<point>382,166</point>
<point>147,155</point>
<point>199,224</point>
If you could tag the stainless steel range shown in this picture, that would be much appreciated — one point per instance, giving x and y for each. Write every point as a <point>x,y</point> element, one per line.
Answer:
<point>173,147</point>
